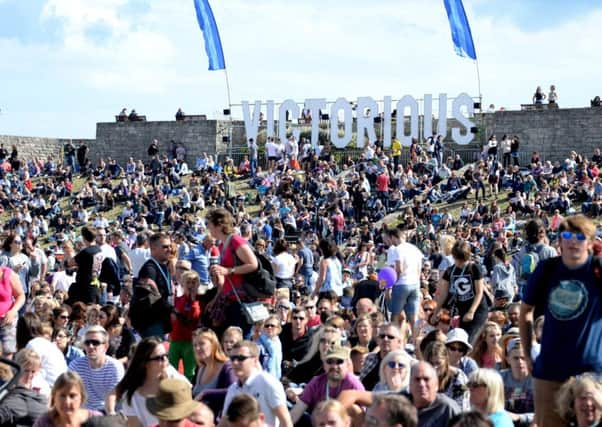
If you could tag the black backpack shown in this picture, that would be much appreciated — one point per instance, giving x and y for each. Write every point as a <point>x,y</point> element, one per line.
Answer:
<point>260,283</point>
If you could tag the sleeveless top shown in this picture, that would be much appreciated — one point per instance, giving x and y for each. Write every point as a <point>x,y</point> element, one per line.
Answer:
<point>6,291</point>
<point>334,277</point>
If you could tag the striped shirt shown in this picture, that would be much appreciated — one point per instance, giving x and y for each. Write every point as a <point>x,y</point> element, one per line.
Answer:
<point>98,382</point>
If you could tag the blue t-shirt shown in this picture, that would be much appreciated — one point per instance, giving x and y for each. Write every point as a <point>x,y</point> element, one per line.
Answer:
<point>501,419</point>
<point>572,334</point>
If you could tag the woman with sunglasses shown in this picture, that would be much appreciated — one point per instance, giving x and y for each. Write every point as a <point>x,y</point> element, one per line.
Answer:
<point>270,346</point>
<point>214,373</point>
<point>452,381</point>
<point>60,316</point>
<point>13,256</point>
<point>394,372</point>
<point>148,368</point>
<point>61,337</point>
<point>487,396</point>
<point>458,347</point>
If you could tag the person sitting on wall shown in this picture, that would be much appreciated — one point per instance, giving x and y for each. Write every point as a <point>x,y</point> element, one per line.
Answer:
<point>133,116</point>
<point>179,115</point>
<point>123,116</point>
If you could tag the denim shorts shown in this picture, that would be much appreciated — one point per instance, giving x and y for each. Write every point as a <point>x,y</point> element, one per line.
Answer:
<point>8,337</point>
<point>406,298</point>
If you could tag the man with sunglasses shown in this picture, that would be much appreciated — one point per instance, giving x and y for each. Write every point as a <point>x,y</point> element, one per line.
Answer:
<point>295,336</point>
<point>100,373</point>
<point>252,380</point>
<point>155,272</point>
<point>338,376</point>
<point>389,338</point>
<point>568,288</point>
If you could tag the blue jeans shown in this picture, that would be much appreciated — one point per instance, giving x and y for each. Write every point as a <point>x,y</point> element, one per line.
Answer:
<point>406,298</point>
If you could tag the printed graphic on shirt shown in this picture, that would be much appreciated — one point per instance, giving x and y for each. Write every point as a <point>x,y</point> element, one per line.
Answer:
<point>461,286</point>
<point>568,300</point>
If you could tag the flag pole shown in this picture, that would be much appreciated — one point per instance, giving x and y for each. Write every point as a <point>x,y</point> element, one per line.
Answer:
<point>230,108</point>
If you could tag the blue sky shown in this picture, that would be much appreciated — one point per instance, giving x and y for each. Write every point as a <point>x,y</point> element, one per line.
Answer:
<point>67,64</point>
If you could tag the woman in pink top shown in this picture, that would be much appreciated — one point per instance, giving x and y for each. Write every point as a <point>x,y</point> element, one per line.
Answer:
<point>12,299</point>
<point>487,351</point>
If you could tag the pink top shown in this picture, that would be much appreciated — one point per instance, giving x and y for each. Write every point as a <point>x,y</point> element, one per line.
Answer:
<point>6,292</point>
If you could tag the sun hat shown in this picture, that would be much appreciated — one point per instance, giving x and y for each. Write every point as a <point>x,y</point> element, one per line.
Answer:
<point>458,335</point>
<point>173,402</point>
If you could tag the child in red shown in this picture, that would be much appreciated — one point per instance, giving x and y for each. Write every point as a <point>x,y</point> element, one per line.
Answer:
<point>183,322</point>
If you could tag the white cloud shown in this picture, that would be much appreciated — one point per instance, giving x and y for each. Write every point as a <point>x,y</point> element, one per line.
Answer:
<point>154,59</point>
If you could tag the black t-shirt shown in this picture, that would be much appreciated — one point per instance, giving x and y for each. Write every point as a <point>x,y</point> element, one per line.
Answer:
<point>294,349</point>
<point>461,286</point>
<point>150,269</point>
<point>89,263</point>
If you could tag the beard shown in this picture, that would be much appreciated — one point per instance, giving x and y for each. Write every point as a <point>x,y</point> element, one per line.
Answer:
<point>335,375</point>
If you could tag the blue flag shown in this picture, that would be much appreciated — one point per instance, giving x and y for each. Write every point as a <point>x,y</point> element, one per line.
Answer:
<point>213,44</point>
<point>460,30</point>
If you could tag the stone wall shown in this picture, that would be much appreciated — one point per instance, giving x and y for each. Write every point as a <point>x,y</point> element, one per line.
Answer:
<point>29,146</point>
<point>551,132</point>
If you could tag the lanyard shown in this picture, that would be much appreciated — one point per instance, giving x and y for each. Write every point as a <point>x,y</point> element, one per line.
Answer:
<point>165,274</point>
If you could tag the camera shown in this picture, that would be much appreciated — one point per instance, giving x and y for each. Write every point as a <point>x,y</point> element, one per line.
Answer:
<point>214,260</point>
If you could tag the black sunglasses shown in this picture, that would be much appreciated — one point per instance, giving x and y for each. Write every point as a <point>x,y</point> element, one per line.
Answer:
<point>334,361</point>
<point>93,343</point>
<point>383,336</point>
<point>239,357</point>
<point>160,357</point>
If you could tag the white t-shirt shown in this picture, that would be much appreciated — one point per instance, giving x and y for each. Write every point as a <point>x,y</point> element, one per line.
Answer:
<point>137,406</point>
<point>410,258</point>
<point>392,255</point>
<point>266,389</point>
<point>138,256</point>
<point>53,360</point>
<point>284,265</point>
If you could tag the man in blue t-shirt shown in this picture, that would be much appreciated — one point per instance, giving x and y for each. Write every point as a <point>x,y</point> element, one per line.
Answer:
<point>568,289</point>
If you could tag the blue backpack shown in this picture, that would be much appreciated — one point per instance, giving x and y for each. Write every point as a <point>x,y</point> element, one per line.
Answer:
<point>529,261</point>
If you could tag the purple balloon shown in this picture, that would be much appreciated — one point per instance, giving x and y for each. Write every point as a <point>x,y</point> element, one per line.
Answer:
<point>387,277</point>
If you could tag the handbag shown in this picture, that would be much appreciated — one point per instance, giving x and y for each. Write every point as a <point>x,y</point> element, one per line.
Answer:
<point>254,311</point>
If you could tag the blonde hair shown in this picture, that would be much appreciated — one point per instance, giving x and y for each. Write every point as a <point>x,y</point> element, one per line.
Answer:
<point>446,243</point>
<point>331,405</point>
<point>392,355</point>
<point>218,354</point>
<point>28,358</point>
<point>480,342</point>
<point>565,398</point>
<point>191,276</point>
<point>495,388</point>
<point>314,347</point>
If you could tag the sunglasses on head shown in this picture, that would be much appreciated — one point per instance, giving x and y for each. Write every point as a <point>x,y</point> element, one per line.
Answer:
<point>568,235</point>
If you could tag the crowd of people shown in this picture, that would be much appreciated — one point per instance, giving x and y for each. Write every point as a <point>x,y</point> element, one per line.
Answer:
<point>141,303</point>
